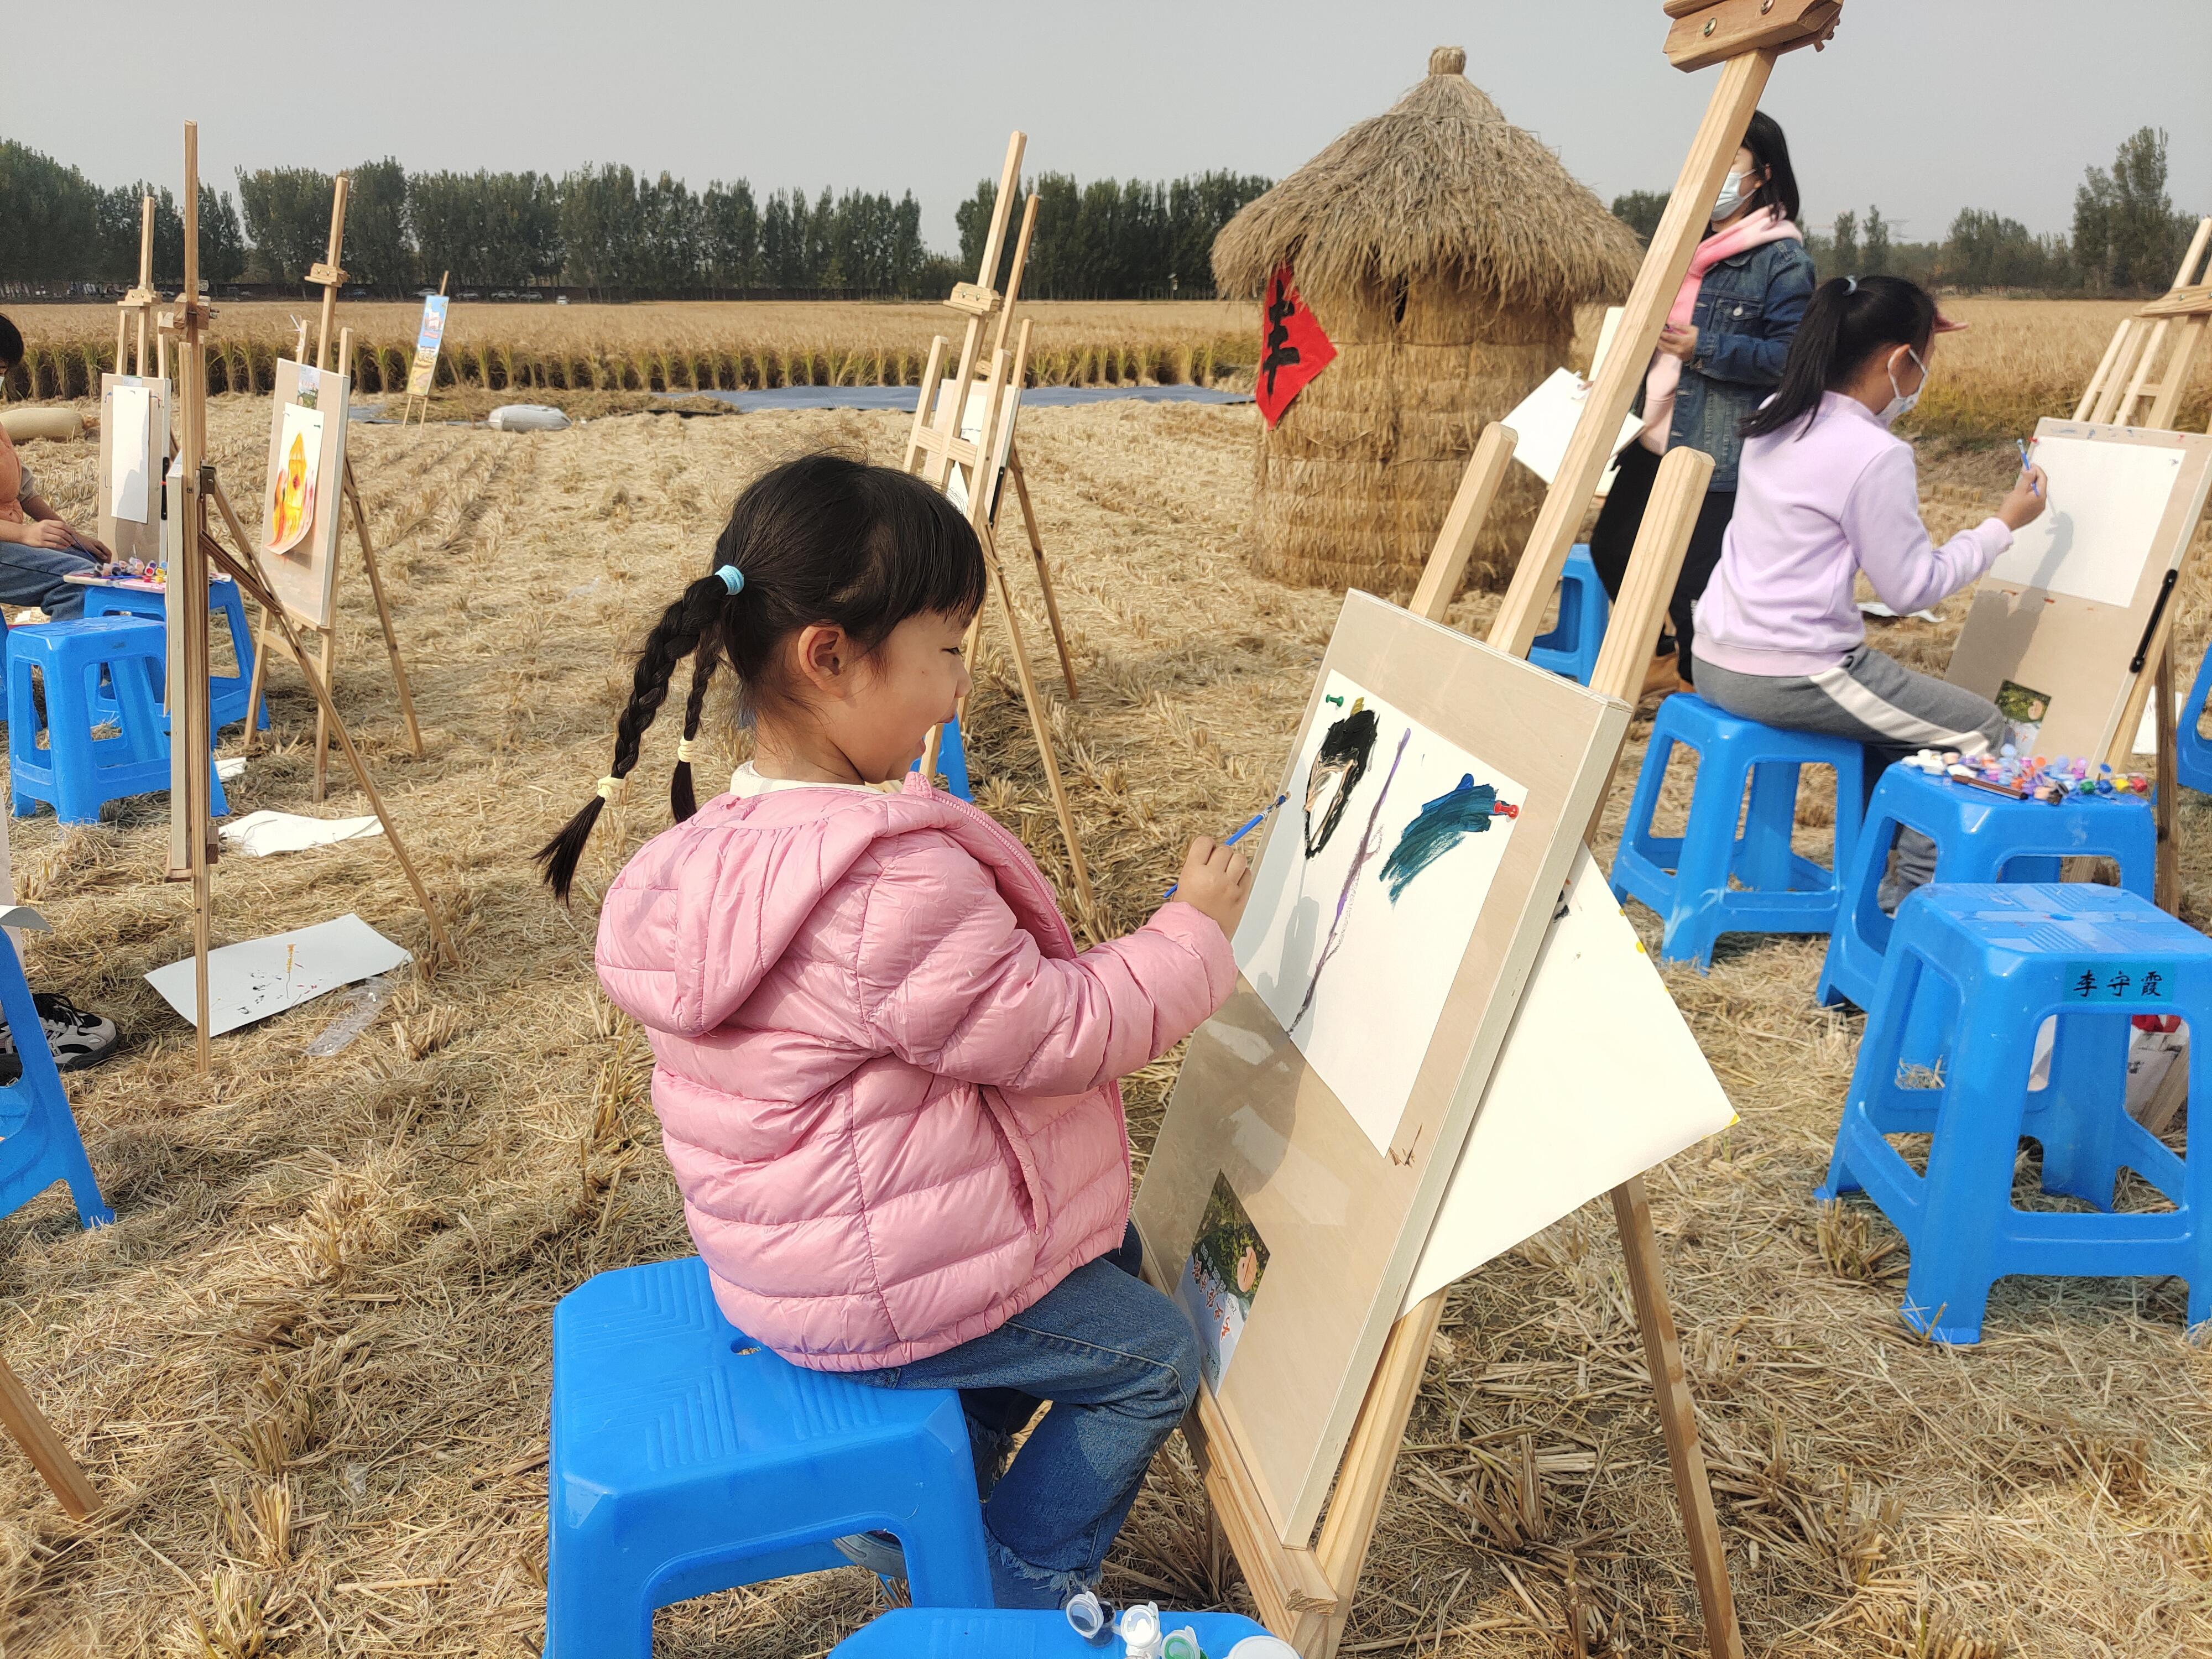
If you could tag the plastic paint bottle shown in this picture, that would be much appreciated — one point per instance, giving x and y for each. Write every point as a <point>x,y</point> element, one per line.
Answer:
<point>1138,1627</point>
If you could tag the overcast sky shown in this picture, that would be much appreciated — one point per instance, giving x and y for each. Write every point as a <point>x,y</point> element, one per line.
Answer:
<point>1921,106</point>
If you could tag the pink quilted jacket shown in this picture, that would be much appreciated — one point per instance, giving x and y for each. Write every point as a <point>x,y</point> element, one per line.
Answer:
<point>885,1078</point>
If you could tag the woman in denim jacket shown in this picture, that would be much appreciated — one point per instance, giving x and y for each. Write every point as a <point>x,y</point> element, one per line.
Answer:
<point>1720,356</point>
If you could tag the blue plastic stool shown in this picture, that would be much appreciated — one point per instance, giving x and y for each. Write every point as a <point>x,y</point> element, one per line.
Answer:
<point>1979,837</point>
<point>2192,754</point>
<point>687,1459</point>
<point>227,693</point>
<point>76,771</point>
<point>952,763</point>
<point>2006,957</point>
<point>1710,880</point>
<point>1571,647</point>
<point>940,1633</point>
<point>38,1139</point>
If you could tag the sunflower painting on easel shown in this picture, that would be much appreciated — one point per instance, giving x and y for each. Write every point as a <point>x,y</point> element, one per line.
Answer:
<point>292,493</point>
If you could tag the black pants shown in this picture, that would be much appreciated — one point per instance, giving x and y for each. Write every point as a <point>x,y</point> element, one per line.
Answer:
<point>1622,515</point>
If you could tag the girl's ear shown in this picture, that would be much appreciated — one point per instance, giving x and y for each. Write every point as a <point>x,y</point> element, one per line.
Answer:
<point>825,657</point>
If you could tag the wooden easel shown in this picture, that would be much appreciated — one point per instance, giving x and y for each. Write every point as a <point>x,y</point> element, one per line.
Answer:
<point>934,447</point>
<point>1304,1594</point>
<point>193,828</point>
<point>28,1427</point>
<point>326,273</point>
<point>2145,344</point>
<point>408,408</point>
<point>138,304</point>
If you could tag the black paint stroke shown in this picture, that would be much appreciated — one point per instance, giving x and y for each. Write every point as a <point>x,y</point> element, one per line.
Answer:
<point>1439,826</point>
<point>1351,877</point>
<point>1341,762</point>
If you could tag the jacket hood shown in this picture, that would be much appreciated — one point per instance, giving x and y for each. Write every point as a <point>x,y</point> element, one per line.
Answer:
<point>712,904</point>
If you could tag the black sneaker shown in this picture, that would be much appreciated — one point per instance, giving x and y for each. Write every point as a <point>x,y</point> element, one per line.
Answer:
<point>76,1039</point>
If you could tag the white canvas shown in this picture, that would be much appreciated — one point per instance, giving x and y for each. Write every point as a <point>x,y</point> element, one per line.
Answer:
<point>971,429</point>
<point>2094,539</point>
<point>1545,421</point>
<point>1600,1079</point>
<point>1356,976</point>
<point>131,408</point>
<point>263,976</point>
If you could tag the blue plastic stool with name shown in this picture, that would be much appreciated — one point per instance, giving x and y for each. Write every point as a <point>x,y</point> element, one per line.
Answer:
<point>227,693</point>
<point>38,1139</point>
<point>2006,957</point>
<point>952,763</point>
<point>2192,755</point>
<point>1980,836</point>
<point>686,1459</point>
<point>1571,647</point>
<point>942,1633</point>
<point>76,772</point>
<point>1710,880</point>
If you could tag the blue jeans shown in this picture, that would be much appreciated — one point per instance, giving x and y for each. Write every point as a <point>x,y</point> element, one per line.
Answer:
<point>33,575</point>
<point>1119,1363</point>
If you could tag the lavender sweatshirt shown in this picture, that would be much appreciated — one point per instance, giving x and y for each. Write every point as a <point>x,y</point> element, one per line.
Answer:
<point>1812,507</point>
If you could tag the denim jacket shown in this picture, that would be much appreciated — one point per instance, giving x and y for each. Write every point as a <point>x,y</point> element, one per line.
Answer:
<point>1747,309</point>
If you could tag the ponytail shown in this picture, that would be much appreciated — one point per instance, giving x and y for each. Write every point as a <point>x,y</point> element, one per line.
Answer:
<point>820,539</point>
<point>1849,320</point>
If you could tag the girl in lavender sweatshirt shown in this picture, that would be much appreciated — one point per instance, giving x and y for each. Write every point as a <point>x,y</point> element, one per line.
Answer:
<point>1827,490</point>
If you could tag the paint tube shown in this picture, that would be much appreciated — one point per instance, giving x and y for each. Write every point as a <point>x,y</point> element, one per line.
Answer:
<point>363,1003</point>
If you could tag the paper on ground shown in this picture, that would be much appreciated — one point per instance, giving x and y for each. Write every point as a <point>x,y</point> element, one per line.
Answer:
<point>260,834</point>
<point>1599,1080</point>
<point>264,977</point>
<point>1544,419</point>
<point>1876,608</point>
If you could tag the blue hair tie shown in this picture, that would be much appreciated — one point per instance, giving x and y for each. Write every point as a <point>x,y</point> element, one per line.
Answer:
<point>733,577</point>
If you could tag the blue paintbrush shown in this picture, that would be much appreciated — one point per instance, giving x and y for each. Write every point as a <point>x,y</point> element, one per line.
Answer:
<point>1239,833</point>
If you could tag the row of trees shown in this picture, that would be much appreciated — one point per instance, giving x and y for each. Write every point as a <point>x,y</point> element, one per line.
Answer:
<point>606,228</point>
<point>2126,239</point>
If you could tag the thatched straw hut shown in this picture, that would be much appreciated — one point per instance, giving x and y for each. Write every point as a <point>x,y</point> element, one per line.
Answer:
<point>1443,250</point>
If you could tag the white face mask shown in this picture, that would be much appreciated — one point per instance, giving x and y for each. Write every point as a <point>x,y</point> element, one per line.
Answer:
<point>1735,190</point>
<point>1903,401</point>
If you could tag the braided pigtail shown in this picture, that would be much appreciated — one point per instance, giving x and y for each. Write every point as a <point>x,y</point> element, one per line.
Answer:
<point>674,637</point>
<point>682,799</point>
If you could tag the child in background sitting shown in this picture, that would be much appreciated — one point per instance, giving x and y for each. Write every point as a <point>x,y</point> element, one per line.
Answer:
<point>885,1075</point>
<point>1827,490</point>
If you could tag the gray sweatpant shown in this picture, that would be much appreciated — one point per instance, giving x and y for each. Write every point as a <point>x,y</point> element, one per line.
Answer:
<point>1882,704</point>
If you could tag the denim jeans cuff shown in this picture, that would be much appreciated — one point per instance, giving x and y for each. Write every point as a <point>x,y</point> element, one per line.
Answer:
<point>1060,1584</point>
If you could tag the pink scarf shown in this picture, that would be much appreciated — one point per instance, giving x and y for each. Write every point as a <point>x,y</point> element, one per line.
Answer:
<point>1753,230</point>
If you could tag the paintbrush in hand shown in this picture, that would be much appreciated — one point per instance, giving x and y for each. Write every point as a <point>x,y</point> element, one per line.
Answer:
<point>1238,834</point>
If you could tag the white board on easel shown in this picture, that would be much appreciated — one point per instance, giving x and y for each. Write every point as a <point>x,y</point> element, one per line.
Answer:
<point>2093,540</point>
<point>1544,421</point>
<point>1600,1080</point>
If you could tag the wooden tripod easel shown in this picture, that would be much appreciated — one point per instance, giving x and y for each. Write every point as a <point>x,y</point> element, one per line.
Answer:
<point>934,447</point>
<point>1305,1594</point>
<point>2161,339</point>
<point>408,408</point>
<point>138,304</point>
<point>326,273</point>
<point>193,828</point>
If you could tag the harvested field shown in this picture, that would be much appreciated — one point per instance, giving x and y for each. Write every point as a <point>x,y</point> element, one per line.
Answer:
<point>308,1367</point>
<point>669,346</point>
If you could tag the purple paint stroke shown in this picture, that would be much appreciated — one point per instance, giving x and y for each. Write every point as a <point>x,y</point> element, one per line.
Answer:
<point>1351,875</point>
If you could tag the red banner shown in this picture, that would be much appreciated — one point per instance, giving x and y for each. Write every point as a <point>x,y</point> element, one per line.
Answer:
<point>1292,348</point>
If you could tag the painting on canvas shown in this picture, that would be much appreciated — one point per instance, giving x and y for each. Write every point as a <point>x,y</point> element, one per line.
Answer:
<point>292,503</point>
<point>428,338</point>
<point>1221,1280</point>
<point>1367,894</point>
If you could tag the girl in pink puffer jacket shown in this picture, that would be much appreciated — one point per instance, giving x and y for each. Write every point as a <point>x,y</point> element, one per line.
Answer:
<point>885,1077</point>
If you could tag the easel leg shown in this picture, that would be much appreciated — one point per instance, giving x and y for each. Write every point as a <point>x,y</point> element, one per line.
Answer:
<point>2167,887</point>
<point>323,715</point>
<point>255,688</point>
<point>28,1427</point>
<point>1043,570</point>
<point>383,612</point>
<point>1086,907</point>
<point>328,713</point>
<point>1677,1418</point>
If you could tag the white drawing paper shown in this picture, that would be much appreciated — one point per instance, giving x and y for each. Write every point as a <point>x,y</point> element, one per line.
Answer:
<point>258,835</point>
<point>263,976</point>
<point>131,411</point>
<point>1544,419</point>
<point>1599,1080</point>
<point>2094,539</point>
<point>1605,331</point>
<point>971,428</point>
<point>1367,894</point>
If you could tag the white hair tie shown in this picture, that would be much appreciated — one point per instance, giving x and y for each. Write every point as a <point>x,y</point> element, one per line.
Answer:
<point>686,751</point>
<point>610,789</point>
<point>1851,284</point>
